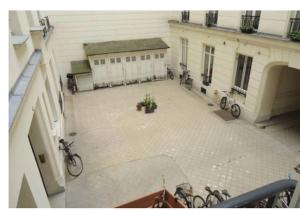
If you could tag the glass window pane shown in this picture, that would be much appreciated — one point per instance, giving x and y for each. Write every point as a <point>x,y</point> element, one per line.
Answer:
<point>118,60</point>
<point>206,57</point>
<point>162,55</point>
<point>147,57</point>
<point>96,62</point>
<point>156,56</point>
<point>207,49</point>
<point>142,57</point>
<point>239,70</point>
<point>127,59</point>
<point>133,58</point>
<point>247,73</point>
<point>112,60</point>
<point>212,50</point>
<point>102,61</point>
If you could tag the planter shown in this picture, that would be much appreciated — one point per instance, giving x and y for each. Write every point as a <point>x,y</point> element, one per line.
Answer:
<point>294,36</point>
<point>247,30</point>
<point>149,109</point>
<point>139,107</point>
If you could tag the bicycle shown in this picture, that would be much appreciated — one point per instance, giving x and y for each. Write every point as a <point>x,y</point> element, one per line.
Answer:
<point>71,83</point>
<point>215,197</point>
<point>170,73</point>
<point>229,101</point>
<point>74,162</point>
<point>185,77</point>
<point>184,192</point>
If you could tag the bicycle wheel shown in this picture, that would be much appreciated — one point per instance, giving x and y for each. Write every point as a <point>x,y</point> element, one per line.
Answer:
<point>75,165</point>
<point>171,75</point>
<point>181,196</point>
<point>198,202</point>
<point>211,200</point>
<point>235,110</point>
<point>223,102</point>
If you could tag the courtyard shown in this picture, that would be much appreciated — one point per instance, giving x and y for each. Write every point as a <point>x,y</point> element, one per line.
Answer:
<point>126,153</point>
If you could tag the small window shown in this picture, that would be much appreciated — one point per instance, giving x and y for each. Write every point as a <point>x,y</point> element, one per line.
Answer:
<point>162,55</point>
<point>118,60</point>
<point>156,56</point>
<point>243,70</point>
<point>112,60</point>
<point>127,59</point>
<point>102,61</point>
<point>147,57</point>
<point>96,62</point>
<point>142,57</point>
<point>133,58</point>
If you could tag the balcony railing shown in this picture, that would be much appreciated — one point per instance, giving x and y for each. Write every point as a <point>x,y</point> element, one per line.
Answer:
<point>46,23</point>
<point>249,23</point>
<point>211,19</point>
<point>185,16</point>
<point>294,30</point>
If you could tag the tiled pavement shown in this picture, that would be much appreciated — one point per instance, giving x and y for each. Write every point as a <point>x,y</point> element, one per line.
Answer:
<point>205,149</point>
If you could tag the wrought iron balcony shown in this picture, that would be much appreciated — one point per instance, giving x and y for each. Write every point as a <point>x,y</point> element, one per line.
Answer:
<point>185,16</point>
<point>211,19</point>
<point>294,30</point>
<point>249,23</point>
<point>46,24</point>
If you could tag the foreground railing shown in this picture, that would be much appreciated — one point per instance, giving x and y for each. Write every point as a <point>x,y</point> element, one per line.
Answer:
<point>277,194</point>
<point>249,23</point>
<point>294,30</point>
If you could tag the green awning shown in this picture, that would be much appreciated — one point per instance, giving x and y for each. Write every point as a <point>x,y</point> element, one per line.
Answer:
<point>80,67</point>
<point>100,48</point>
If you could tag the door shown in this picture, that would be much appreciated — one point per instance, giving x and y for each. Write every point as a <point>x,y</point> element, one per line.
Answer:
<point>130,68</point>
<point>159,67</point>
<point>84,82</point>
<point>100,72</point>
<point>116,69</point>
<point>146,67</point>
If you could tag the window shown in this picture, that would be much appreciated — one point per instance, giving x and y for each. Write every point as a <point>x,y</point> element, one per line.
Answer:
<point>112,60</point>
<point>251,19</point>
<point>209,52</point>
<point>242,74</point>
<point>133,58</point>
<point>147,57</point>
<point>142,57</point>
<point>96,62</point>
<point>212,18</point>
<point>162,55</point>
<point>184,51</point>
<point>156,56</point>
<point>102,61</point>
<point>127,59</point>
<point>118,60</point>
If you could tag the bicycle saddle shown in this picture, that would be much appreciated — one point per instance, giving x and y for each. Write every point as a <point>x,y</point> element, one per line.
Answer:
<point>225,192</point>
<point>207,188</point>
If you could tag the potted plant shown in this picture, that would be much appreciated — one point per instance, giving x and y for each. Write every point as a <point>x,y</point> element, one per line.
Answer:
<point>139,106</point>
<point>246,29</point>
<point>294,36</point>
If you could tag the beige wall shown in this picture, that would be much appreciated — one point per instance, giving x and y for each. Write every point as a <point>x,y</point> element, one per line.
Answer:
<point>229,19</point>
<point>73,28</point>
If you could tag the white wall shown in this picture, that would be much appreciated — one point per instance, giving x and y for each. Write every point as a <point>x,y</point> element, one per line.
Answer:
<point>274,22</point>
<point>73,28</point>
<point>229,19</point>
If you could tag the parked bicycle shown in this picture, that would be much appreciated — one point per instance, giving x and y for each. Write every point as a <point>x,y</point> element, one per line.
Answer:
<point>74,162</point>
<point>228,101</point>
<point>185,77</point>
<point>72,83</point>
<point>184,193</point>
<point>215,197</point>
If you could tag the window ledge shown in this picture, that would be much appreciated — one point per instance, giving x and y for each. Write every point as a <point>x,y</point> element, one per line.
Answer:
<point>37,28</point>
<point>239,90</point>
<point>19,39</point>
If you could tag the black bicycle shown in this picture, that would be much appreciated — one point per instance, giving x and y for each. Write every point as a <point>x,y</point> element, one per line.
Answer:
<point>184,193</point>
<point>170,73</point>
<point>215,197</point>
<point>74,162</point>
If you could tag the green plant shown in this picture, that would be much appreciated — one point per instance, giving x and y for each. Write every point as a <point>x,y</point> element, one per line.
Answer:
<point>246,29</point>
<point>147,100</point>
<point>295,36</point>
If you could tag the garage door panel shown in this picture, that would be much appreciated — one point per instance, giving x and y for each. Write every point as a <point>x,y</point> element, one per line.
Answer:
<point>84,82</point>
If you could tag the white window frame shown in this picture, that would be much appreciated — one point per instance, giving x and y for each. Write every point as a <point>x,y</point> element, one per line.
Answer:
<point>210,56</point>
<point>184,50</point>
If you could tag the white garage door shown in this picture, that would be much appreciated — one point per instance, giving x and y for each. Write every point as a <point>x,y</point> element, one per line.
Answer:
<point>131,69</point>
<point>159,67</point>
<point>100,73</point>
<point>146,67</point>
<point>84,82</point>
<point>116,70</point>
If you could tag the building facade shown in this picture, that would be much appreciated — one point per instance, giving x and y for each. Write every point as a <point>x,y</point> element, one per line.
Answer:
<point>36,121</point>
<point>251,53</point>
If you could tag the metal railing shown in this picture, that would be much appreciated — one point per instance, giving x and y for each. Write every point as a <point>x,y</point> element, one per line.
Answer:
<point>268,196</point>
<point>249,23</point>
<point>46,23</point>
<point>185,16</point>
<point>211,19</point>
<point>294,30</point>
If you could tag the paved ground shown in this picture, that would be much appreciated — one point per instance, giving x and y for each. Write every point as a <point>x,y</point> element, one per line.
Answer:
<point>126,152</point>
